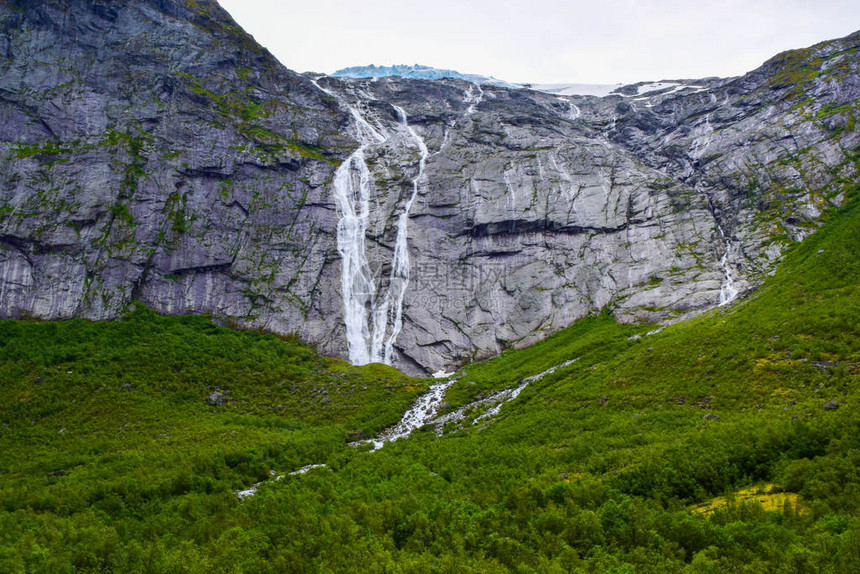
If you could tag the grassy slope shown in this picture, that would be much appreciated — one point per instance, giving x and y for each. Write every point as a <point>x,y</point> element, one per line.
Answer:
<point>119,409</point>
<point>591,468</point>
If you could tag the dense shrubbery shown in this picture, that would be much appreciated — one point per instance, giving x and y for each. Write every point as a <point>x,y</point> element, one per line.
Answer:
<point>112,460</point>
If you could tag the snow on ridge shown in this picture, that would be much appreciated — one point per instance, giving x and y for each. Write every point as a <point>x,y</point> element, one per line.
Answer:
<point>419,72</point>
<point>598,90</point>
<point>664,89</point>
<point>654,87</point>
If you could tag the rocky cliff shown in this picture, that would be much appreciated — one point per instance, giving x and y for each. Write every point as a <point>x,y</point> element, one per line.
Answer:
<point>153,151</point>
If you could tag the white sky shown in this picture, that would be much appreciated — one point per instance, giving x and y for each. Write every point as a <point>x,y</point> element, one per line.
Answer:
<point>544,41</point>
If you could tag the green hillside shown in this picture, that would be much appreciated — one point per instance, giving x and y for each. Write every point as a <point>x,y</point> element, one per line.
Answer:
<point>727,443</point>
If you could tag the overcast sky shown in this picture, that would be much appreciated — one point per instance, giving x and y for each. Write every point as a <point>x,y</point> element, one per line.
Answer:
<point>544,41</point>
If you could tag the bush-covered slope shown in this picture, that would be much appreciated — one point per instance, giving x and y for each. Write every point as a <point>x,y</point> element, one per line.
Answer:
<point>107,427</point>
<point>638,457</point>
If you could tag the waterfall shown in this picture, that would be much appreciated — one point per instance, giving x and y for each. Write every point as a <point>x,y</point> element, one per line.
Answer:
<point>400,264</point>
<point>352,188</point>
<point>728,291</point>
<point>425,409</point>
<point>574,113</point>
<point>472,99</point>
<point>368,312</point>
<point>422,412</point>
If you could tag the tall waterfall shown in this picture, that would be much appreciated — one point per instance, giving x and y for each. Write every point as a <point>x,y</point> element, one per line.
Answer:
<point>352,189</point>
<point>728,291</point>
<point>368,312</point>
<point>400,263</point>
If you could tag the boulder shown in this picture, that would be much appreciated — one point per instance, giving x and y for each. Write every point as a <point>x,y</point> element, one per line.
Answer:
<point>216,398</point>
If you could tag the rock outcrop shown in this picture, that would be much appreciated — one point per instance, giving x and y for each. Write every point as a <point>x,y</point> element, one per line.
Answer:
<point>152,151</point>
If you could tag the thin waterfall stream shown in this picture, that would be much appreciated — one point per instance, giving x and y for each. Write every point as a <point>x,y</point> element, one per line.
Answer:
<point>400,263</point>
<point>728,291</point>
<point>425,411</point>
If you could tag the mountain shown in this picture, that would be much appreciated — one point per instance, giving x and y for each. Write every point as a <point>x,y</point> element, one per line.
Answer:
<point>155,153</point>
<point>164,174</point>
<point>664,200</point>
<point>419,72</point>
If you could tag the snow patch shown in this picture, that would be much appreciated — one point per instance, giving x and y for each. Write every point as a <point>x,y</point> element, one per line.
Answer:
<point>654,87</point>
<point>599,90</point>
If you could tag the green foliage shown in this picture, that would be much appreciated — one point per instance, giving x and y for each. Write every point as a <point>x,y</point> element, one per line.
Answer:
<point>48,149</point>
<point>121,212</point>
<point>109,444</point>
<point>797,68</point>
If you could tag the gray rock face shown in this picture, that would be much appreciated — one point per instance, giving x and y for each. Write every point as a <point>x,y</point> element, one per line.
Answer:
<point>536,210</point>
<point>527,219</point>
<point>153,151</point>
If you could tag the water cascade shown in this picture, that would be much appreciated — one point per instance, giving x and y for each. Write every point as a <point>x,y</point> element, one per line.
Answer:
<point>371,313</point>
<point>473,98</point>
<point>352,189</point>
<point>423,412</point>
<point>494,402</point>
<point>728,291</point>
<point>400,264</point>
